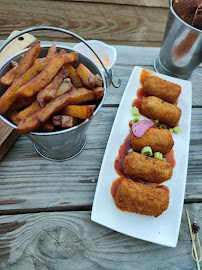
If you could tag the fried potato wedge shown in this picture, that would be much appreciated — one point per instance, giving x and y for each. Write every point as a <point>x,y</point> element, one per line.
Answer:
<point>68,121</point>
<point>35,120</point>
<point>64,121</point>
<point>13,116</point>
<point>9,97</point>
<point>73,75</point>
<point>57,120</point>
<point>34,107</point>
<point>28,60</point>
<point>82,112</point>
<point>86,76</point>
<point>52,51</point>
<point>39,60</point>
<point>99,92</point>
<point>98,81</point>
<point>43,79</point>
<point>49,92</point>
<point>69,57</point>
<point>87,95</point>
<point>8,78</point>
<point>21,103</point>
<point>64,87</point>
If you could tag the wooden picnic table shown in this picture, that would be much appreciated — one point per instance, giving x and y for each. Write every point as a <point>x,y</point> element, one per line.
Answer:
<point>45,206</point>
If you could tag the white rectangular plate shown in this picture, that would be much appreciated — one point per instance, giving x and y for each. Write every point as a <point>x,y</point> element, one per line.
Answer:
<point>164,229</point>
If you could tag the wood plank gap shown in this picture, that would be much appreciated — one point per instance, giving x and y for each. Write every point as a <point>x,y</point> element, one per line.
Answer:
<point>190,201</point>
<point>83,208</point>
<point>196,106</point>
<point>110,105</point>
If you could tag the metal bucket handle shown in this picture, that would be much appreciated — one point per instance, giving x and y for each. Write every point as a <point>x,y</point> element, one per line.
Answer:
<point>32,29</point>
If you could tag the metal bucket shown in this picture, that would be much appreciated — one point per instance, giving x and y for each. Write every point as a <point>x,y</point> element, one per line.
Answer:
<point>64,144</point>
<point>181,50</point>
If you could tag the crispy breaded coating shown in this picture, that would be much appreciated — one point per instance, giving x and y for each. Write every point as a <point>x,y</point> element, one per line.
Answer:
<point>155,86</point>
<point>160,140</point>
<point>140,198</point>
<point>147,168</point>
<point>156,108</point>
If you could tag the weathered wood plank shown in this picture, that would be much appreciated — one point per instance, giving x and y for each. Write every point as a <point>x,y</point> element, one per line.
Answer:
<point>125,24</point>
<point>147,3</point>
<point>29,182</point>
<point>69,240</point>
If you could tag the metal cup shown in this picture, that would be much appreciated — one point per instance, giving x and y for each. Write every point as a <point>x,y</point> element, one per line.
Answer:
<point>63,144</point>
<point>181,50</point>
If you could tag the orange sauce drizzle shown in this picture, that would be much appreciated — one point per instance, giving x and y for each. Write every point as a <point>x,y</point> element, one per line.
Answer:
<point>105,60</point>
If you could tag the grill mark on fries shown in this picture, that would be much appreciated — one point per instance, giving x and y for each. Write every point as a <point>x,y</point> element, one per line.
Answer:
<point>27,60</point>
<point>49,92</point>
<point>8,78</point>
<point>43,79</point>
<point>82,112</point>
<point>9,97</point>
<point>34,121</point>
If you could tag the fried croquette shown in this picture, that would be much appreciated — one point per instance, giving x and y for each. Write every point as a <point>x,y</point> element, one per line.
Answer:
<point>155,86</point>
<point>156,108</point>
<point>147,168</point>
<point>140,198</point>
<point>160,140</point>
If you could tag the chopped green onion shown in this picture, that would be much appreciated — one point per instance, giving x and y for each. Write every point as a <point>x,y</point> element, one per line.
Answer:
<point>177,130</point>
<point>171,130</point>
<point>156,121</point>
<point>135,111</point>
<point>163,126</point>
<point>164,159</point>
<point>158,155</point>
<point>130,150</point>
<point>135,120</point>
<point>147,151</point>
